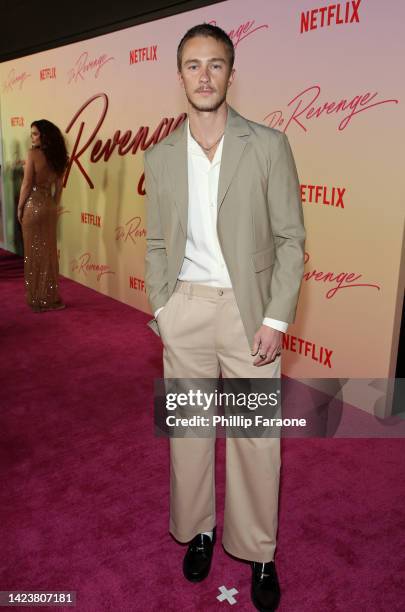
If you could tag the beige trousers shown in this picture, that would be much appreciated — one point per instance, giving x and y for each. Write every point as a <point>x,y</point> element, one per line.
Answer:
<point>203,334</point>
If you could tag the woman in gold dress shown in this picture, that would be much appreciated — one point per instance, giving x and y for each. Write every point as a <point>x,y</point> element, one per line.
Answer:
<point>40,195</point>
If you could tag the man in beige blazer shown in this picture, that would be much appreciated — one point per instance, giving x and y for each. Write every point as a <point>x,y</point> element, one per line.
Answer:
<point>224,264</point>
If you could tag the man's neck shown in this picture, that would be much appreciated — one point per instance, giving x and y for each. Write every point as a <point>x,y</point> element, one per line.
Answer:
<point>207,127</point>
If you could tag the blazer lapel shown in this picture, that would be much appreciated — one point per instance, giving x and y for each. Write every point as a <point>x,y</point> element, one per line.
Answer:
<point>237,133</point>
<point>178,170</point>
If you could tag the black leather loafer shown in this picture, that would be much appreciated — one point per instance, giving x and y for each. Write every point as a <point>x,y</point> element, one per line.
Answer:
<point>265,587</point>
<point>197,560</point>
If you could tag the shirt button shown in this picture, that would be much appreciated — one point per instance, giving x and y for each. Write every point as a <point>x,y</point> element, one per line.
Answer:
<point>220,292</point>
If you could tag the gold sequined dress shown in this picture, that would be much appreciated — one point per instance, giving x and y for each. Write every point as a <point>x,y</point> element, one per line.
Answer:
<point>41,269</point>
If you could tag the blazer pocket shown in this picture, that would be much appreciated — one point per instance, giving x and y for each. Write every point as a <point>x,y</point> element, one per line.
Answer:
<point>263,259</point>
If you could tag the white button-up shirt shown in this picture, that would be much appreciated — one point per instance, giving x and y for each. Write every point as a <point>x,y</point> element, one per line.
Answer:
<point>203,262</point>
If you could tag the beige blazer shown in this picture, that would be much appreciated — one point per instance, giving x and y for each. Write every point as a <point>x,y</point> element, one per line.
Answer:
<point>260,221</point>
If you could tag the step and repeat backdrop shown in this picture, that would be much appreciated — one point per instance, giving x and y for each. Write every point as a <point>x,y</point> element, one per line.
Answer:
<point>329,75</point>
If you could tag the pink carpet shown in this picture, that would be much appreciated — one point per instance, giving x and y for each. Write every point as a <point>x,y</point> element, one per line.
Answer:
<point>84,501</point>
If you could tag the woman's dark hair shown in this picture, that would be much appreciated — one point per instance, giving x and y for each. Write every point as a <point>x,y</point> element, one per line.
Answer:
<point>207,29</point>
<point>52,144</point>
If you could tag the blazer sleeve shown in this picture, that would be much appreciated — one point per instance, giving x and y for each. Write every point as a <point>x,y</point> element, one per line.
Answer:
<point>287,223</point>
<point>156,278</point>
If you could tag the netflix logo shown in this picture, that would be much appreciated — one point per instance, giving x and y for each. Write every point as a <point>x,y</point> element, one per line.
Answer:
<point>333,14</point>
<point>144,54</point>
<point>17,121</point>
<point>137,283</point>
<point>321,194</point>
<point>321,354</point>
<point>91,219</point>
<point>47,73</point>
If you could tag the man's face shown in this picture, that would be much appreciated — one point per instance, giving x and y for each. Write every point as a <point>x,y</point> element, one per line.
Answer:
<point>205,73</point>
